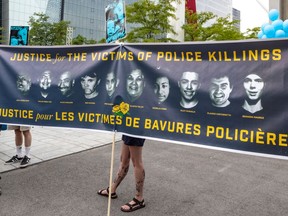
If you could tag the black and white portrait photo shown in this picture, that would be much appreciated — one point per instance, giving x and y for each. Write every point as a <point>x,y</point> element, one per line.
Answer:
<point>219,91</point>
<point>89,84</point>
<point>162,89</point>
<point>189,85</point>
<point>254,86</point>
<point>135,84</point>
<point>24,84</point>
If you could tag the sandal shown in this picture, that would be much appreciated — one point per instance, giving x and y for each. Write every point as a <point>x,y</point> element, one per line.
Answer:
<point>135,206</point>
<point>113,195</point>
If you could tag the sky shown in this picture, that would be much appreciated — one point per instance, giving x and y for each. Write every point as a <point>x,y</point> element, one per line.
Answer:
<point>252,14</point>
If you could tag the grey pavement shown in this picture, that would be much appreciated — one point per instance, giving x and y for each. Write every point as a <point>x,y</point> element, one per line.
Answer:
<point>180,181</point>
<point>50,143</point>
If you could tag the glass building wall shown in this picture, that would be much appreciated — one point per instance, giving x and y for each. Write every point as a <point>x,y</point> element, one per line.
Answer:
<point>18,12</point>
<point>236,16</point>
<point>87,17</point>
<point>53,10</point>
<point>221,8</point>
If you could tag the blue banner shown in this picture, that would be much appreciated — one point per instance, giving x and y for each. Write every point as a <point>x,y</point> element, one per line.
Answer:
<point>230,95</point>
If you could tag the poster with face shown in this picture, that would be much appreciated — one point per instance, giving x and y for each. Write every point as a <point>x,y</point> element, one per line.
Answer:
<point>19,35</point>
<point>115,21</point>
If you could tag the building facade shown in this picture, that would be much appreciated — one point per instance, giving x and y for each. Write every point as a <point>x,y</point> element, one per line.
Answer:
<point>236,14</point>
<point>281,6</point>
<point>221,8</point>
<point>17,13</point>
<point>87,17</point>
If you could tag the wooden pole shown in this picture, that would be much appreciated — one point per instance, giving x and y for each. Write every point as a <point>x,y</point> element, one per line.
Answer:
<point>111,173</point>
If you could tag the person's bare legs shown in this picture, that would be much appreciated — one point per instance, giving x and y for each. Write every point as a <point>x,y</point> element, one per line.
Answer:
<point>18,137</point>
<point>27,138</point>
<point>135,153</point>
<point>139,173</point>
<point>123,168</point>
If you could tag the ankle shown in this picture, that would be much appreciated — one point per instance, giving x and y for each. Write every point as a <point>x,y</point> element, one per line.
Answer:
<point>113,190</point>
<point>140,198</point>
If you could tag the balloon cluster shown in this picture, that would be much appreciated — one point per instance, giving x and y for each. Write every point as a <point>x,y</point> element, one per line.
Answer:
<point>277,29</point>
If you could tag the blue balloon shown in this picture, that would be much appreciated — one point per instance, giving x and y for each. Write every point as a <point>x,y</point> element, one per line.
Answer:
<point>260,34</point>
<point>263,26</point>
<point>280,34</point>
<point>285,25</point>
<point>277,24</point>
<point>273,14</point>
<point>264,37</point>
<point>269,31</point>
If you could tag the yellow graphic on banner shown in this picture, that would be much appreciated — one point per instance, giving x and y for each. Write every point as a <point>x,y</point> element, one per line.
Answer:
<point>121,109</point>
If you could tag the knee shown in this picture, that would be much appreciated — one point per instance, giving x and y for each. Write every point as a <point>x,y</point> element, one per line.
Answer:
<point>125,163</point>
<point>26,133</point>
<point>137,163</point>
<point>18,132</point>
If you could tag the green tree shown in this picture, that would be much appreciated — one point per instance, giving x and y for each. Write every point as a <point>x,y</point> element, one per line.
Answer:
<point>224,29</point>
<point>205,26</point>
<point>90,41</point>
<point>194,29</point>
<point>80,40</point>
<point>2,39</point>
<point>252,33</point>
<point>102,41</point>
<point>150,20</point>
<point>45,33</point>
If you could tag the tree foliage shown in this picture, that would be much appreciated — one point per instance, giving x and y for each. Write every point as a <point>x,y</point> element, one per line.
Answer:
<point>252,33</point>
<point>80,40</point>
<point>150,20</point>
<point>2,39</point>
<point>194,25</point>
<point>45,33</point>
<point>205,26</point>
<point>151,23</point>
<point>102,41</point>
<point>224,29</point>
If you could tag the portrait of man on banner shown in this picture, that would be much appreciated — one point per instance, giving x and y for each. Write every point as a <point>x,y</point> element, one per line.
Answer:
<point>135,84</point>
<point>254,87</point>
<point>24,83</point>
<point>219,91</point>
<point>115,21</point>
<point>111,83</point>
<point>89,83</point>
<point>45,84</point>
<point>161,88</point>
<point>19,35</point>
<point>66,84</point>
<point>189,85</point>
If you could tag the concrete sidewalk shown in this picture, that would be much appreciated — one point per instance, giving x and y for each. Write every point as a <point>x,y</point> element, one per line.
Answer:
<point>49,143</point>
<point>180,181</point>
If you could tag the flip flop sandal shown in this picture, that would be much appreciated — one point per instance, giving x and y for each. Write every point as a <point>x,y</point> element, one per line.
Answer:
<point>113,195</point>
<point>133,207</point>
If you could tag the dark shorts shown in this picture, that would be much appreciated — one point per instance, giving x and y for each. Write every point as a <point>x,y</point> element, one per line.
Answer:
<point>132,141</point>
